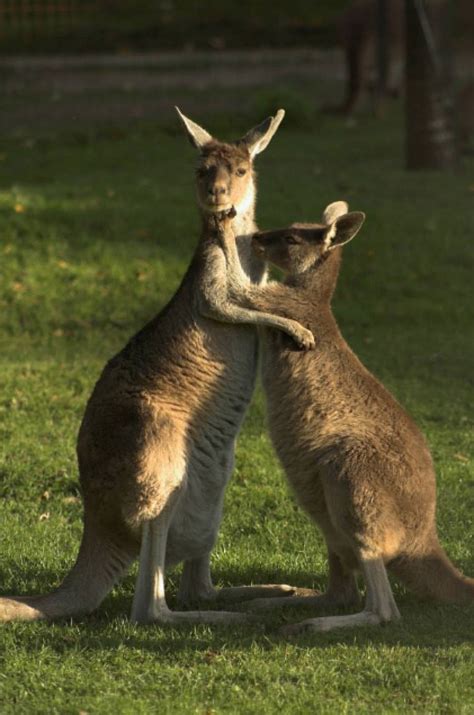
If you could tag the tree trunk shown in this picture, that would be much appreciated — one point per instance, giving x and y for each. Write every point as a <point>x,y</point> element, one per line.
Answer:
<point>430,140</point>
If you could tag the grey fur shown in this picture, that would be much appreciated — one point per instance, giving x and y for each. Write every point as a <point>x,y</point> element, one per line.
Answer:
<point>156,444</point>
<point>357,462</point>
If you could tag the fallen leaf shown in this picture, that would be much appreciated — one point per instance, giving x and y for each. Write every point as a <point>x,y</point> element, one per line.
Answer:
<point>461,457</point>
<point>19,208</point>
<point>71,500</point>
<point>211,655</point>
<point>44,516</point>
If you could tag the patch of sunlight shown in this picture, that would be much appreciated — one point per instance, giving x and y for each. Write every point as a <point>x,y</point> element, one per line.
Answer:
<point>21,199</point>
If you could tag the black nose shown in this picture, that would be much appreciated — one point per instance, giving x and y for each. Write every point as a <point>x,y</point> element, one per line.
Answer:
<point>217,190</point>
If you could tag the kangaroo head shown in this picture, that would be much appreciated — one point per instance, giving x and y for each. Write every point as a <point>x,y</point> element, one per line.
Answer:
<point>302,246</point>
<point>225,176</point>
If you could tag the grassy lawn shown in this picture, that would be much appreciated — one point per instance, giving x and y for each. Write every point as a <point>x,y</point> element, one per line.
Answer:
<point>96,231</point>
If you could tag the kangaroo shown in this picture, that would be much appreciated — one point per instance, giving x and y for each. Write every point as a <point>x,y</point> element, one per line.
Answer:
<point>357,462</point>
<point>357,34</point>
<point>156,443</point>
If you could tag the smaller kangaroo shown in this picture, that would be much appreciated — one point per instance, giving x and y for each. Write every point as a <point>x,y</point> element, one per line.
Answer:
<point>357,462</point>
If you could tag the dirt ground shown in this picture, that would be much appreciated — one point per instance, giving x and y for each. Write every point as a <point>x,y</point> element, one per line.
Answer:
<point>51,93</point>
<point>46,93</point>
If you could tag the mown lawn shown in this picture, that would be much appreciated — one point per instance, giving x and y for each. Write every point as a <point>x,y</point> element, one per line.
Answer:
<point>96,231</point>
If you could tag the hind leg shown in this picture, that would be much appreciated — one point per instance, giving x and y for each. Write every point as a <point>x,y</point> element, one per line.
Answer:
<point>104,556</point>
<point>149,603</point>
<point>380,606</point>
<point>196,587</point>
<point>196,584</point>
<point>342,585</point>
<point>342,591</point>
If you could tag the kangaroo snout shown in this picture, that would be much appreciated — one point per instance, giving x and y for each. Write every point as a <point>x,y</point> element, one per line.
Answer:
<point>217,190</point>
<point>217,196</point>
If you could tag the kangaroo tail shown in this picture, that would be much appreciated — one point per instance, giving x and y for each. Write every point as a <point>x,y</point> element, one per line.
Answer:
<point>99,565</point>
<point>431,574</point>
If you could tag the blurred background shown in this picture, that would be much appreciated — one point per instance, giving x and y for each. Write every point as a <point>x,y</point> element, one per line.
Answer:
<point>70,61</point>
<point>98,224</point>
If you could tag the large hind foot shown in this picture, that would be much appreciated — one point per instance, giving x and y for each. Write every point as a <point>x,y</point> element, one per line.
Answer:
<point>237,595</point>
<point>149,602</point>
<point>342,592</point>
<point>329,623</point>
<point>380,606</point>
<point>196,587</point>
<point>302,598</point>
<point>250,594</point>
<point>166,617</point>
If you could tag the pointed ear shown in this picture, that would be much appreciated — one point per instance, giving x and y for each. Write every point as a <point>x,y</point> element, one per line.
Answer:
<point>196,134</point>
<point>333,211</point>
<point>258,138</point>
<point>343,229</point>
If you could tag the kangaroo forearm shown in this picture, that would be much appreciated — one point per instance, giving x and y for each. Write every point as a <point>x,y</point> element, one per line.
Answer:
<point>215,299</point>
<point>229,312</point>
<point>235,274</point>
<point>217,289</point>
<point>273,298</point>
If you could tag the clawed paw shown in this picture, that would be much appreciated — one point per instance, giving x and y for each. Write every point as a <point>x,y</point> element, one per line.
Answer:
<point>225,217</point>
<point>221,221</point>
<point>305,339</point>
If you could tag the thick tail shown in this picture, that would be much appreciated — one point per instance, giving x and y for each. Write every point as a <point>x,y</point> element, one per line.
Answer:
<point>99,565</point>
<point>432,575</point>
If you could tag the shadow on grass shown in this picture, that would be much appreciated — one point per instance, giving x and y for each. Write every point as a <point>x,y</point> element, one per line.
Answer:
<point>424,625</point>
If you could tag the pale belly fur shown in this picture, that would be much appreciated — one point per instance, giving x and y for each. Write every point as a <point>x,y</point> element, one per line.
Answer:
<point>210,447</point>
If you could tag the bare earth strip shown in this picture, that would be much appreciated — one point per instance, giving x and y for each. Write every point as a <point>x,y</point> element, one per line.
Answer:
<point>53,91</point>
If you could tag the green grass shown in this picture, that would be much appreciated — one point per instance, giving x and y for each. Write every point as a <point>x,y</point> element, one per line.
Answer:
<point>97,229</point>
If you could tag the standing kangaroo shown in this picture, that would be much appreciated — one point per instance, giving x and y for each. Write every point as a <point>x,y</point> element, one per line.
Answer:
<point>357,462</point>
<point>156,444</point>
<point>357,34</point>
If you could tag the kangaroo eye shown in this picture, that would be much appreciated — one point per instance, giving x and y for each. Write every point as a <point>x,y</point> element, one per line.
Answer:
<point>291,240</point>
<point>202,171</point>
<point>241,172</point>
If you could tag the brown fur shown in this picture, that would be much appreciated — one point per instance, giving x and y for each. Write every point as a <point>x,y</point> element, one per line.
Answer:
<point>357,462</point>
<point>155,446</point>
<point>219,163</point>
